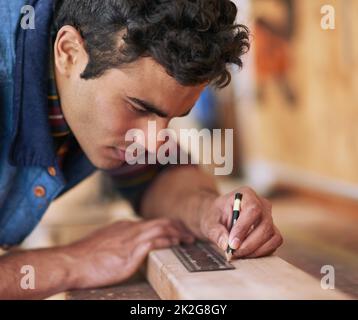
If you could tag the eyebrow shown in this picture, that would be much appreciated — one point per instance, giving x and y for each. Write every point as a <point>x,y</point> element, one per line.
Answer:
<point>154,109</point>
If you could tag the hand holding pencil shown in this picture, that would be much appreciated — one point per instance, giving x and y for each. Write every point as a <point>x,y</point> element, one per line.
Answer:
<point>241,224</point>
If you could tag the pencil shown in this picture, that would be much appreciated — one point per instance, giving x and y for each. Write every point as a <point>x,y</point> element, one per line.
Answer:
<point>235,216</point>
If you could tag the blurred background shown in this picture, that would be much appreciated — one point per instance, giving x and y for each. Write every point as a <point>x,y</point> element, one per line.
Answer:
<point>294,111</point>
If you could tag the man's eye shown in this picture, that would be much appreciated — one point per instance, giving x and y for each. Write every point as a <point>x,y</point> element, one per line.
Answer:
<point>142,111</point>
<point>138,110</point>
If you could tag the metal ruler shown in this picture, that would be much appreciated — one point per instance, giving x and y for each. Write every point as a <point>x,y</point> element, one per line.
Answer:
<point>201,256</point>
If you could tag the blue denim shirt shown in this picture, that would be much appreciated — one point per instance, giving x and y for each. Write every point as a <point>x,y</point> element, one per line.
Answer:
<point>26,145</point>
<point>27,154</point>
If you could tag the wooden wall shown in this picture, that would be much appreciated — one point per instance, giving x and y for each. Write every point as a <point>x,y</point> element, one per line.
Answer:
<point>319,133</point>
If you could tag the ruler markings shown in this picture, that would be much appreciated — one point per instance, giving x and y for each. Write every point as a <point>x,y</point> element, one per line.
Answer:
<point>201,256</point>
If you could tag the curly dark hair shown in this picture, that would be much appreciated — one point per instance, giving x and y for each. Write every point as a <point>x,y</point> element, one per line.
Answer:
<point>194,40</point>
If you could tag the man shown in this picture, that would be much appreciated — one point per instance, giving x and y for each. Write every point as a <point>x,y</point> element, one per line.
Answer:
<point>116,64</point>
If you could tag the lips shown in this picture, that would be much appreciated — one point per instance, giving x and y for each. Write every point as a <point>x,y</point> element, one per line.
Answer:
<point>121,154</point>
<point>125,154</point>
<point>117,153</point>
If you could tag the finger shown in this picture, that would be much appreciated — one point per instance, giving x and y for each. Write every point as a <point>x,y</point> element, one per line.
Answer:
<point>162,230</point>
<point>229,207</point>
<point>182,227</point>
<point>219,235</point>
<point>179,229</point>
<point>258,237</point>
<point>249,216</point>
<point>142,249</point>
<point>155,222</point>
<point>267,203</point>
<point>185,233</point>
<point>268,248</point>
<point>165,223</point>
<point>158,231</point>
<point>131,227</point>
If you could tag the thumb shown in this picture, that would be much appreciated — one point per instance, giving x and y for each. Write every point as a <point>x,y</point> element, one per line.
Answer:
<point>219,235</point>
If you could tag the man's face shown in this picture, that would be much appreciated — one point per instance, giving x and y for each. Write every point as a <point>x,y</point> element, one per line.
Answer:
<point>101,111</point>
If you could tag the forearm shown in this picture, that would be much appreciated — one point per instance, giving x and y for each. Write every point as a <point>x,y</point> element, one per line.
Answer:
<point>183,193</point>
<point>53,273</point>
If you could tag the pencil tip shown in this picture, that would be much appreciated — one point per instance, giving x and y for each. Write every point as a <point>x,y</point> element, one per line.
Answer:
<point>228,256</point>
<point>238,196</point>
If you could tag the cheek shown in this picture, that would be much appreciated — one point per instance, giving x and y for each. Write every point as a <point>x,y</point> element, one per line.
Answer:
<point>114,121</point>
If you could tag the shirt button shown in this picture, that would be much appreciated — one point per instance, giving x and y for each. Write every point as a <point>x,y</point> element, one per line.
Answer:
<point>51,171</point>
<point>40,191</point>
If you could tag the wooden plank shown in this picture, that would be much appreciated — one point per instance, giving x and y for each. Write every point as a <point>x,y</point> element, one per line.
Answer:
<point>264,278</point>
<point>320,230</point>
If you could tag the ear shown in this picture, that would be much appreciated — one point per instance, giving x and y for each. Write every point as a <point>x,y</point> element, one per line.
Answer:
<point>69,50</point>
